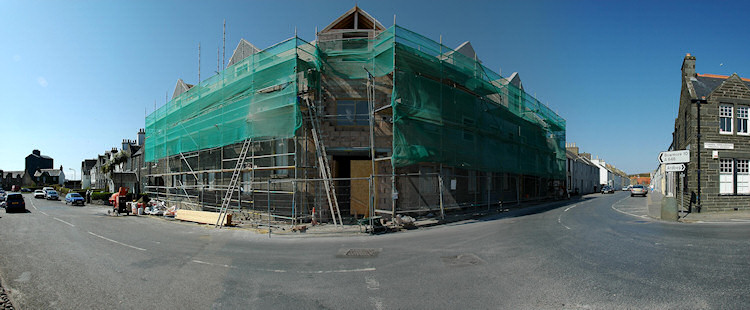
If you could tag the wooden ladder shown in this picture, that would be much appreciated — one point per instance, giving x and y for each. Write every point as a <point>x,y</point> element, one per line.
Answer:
<point>324,166</point>
<point>233,182</point>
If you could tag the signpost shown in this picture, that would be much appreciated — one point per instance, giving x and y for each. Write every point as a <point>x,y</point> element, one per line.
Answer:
<point>674,161</point>
<point>675,167</point>
<point>674,157</point>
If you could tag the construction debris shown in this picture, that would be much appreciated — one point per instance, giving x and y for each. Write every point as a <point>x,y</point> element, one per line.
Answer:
<point>203,217</point>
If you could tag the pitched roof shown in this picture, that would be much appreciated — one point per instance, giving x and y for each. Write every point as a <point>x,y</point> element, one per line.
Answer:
<point>50,172</point>
<point>347,21</point>
<point>704,84</point>
<point>14,174</point>
<point>180,88</point>
<point>39,156</point>
<point>241,52</point>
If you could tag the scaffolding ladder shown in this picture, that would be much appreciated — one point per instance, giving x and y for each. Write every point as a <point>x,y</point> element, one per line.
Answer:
<point>233,182</point>
<point>324,166</point>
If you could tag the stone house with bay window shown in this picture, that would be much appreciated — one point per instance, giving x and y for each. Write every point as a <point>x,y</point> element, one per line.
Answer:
<point>724,147</point>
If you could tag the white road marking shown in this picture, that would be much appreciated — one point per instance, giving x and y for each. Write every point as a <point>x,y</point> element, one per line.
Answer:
<point>118,242</point>
<point>287,271</point>
<point>559,218</point>
<point>71,225</point>
<point>372,283</point>
<point>628,213</point>
<point>32,204</point>
<point>377,302</point>
<point>44,213</point>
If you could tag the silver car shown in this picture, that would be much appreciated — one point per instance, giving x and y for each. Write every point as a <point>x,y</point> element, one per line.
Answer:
<point>638,190</point>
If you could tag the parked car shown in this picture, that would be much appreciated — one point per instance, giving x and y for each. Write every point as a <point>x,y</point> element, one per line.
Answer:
<point>2,195</point>
<point>47,188</point>
<point>15,188</point>
<point>39,194</point>
<point>15,203</point>
<point>624,188</point>
<point>52,195</point>
<point>638,190</point>
<point>606,189</point>
<point>26,190</point>
<point>74,199</point>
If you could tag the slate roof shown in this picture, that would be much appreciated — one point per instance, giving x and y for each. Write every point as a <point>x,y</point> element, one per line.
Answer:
<point>39,156</point>
<point>704,84</point>
<point>14,174</point>
<point>51,172</point>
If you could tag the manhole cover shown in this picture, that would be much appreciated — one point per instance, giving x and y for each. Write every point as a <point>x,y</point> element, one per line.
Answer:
<point>467,259</point>
<point>358,252</point>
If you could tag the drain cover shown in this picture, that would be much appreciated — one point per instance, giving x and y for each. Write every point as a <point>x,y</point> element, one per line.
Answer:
<point>460,260</point>
<point>358,252</point>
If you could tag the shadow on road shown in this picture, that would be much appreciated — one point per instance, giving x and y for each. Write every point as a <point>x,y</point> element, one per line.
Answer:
<point>523,210</point>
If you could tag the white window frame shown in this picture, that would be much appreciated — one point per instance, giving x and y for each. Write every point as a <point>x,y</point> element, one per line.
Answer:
<point>743,176</point>
<point>726,112</point>
<point>742,120</point>
<point>726,176</point>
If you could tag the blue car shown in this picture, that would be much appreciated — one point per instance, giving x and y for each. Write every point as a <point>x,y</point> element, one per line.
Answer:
<point>74,199</point>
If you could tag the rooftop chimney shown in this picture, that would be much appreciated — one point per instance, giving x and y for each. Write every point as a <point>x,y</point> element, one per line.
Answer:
<point>36,152</point>
<point>688,66</point>
<point>141,136</point>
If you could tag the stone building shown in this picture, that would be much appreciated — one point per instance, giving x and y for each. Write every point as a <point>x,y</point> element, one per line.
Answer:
<point>365,118</point>
<point>722,155</point>
<point>36,161</point>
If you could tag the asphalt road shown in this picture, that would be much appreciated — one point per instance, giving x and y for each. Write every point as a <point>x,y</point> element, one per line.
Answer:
<point>576,254</point>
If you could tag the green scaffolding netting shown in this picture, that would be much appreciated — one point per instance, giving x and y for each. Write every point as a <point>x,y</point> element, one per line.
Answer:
<point>254,98</point>
<point>447,108</point>
<point>450,109</point>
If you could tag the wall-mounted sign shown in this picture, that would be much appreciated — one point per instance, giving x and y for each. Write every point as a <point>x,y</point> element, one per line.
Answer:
<point>675,167</point>
<point>718,146</point>
<point>674,157</point>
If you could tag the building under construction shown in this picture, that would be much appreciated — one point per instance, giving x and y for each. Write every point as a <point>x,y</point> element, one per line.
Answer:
<point>363,120</point>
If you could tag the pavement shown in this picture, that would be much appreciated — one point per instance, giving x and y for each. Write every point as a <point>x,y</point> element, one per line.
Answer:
<point>654,211</point>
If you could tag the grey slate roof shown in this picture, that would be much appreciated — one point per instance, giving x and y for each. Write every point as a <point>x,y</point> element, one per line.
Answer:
<point>14,174</point>
<point>39,156</point>
<point>51,172</point>
<point>704,85</point>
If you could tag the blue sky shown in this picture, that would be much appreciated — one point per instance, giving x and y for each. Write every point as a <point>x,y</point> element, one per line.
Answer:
<point>77,77</point>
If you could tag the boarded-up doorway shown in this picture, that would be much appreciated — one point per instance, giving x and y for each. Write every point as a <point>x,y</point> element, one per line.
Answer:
<point>360,190</point>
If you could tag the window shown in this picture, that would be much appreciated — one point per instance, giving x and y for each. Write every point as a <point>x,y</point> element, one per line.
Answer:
<point>743,176</point>
<point>352,113</point>
<point>725,118</point>
<point>742,120</point>
<point>726,176</point>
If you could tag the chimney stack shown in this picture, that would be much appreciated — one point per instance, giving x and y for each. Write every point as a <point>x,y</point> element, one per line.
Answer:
<point>36,152</point>
<point>141,137</point>
<point>688,66</point>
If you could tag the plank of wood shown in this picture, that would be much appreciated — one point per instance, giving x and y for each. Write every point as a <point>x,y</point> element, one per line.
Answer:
<point>203,217</point>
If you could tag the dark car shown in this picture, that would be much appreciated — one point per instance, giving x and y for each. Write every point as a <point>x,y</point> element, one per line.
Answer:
<point>608,189</point>
<point>15,203</point>
<point>74,199</point>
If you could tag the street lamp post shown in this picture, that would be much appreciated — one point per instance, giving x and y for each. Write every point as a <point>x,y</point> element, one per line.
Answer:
<point>700,101</point>
<point>74,173</point>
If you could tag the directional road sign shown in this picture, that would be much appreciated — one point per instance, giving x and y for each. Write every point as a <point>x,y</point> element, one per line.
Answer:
<point>675,167</point>
<point>674,157</point>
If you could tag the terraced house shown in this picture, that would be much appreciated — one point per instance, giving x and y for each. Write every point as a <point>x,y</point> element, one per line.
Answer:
<point>717,178</point>
<point>364,120</point>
